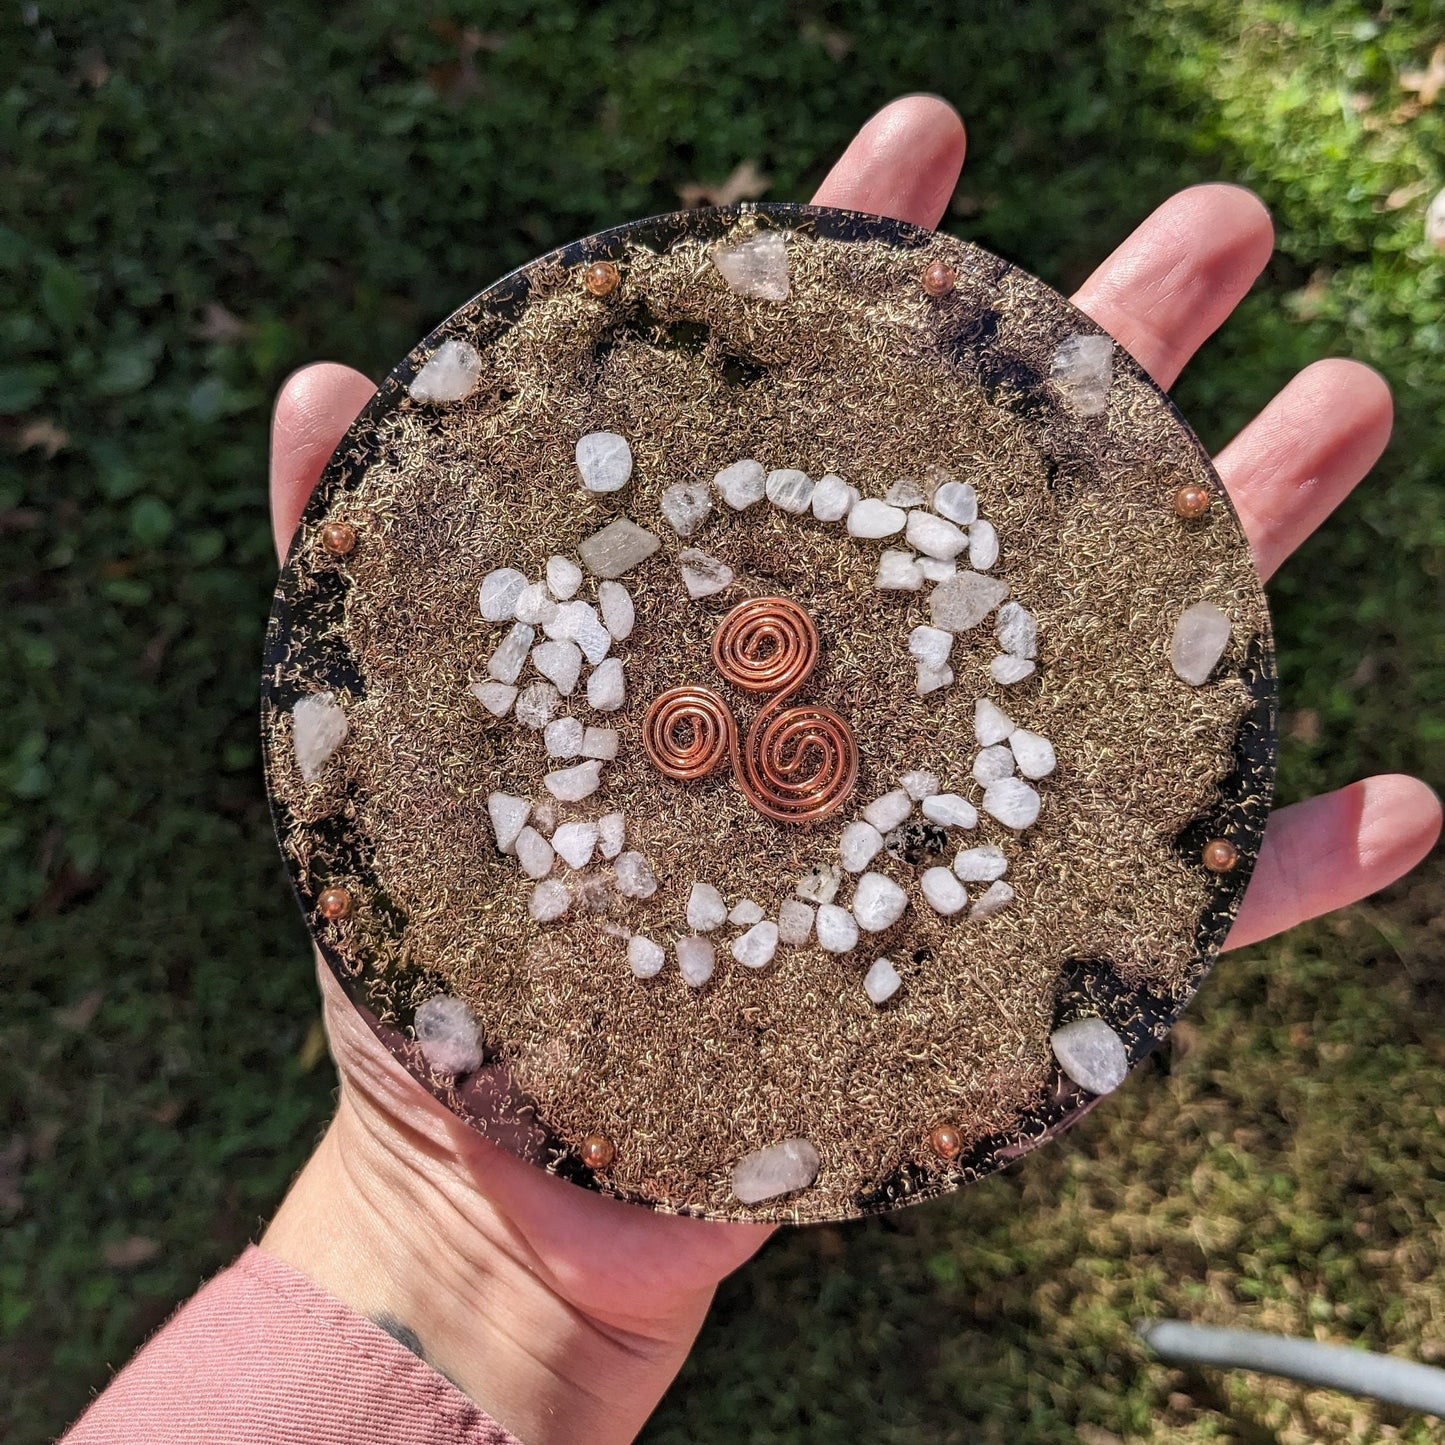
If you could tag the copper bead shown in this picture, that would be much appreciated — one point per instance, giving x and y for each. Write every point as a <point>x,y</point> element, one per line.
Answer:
<point>946,1141</point>
<point>339,538</point>
<point>1192,501</point>
<point>601,278</point>
<point>1220,855</point>
<point>597,1152</point>
<point>938,278</point>
<point>334,904</point>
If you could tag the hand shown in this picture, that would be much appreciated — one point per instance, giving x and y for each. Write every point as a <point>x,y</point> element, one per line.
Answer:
<point>566,1315</point>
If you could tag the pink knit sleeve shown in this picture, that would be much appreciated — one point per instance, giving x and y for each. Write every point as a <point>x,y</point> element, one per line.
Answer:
<point>263,1355</point>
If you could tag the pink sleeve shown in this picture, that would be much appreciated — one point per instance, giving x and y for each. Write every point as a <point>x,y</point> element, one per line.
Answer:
<point>263,1355</point>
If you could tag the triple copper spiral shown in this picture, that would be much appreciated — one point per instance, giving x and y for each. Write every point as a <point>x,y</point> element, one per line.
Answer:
<point>795,764</point>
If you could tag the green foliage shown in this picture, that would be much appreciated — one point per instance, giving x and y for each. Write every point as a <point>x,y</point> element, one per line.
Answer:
<point>201,198</point>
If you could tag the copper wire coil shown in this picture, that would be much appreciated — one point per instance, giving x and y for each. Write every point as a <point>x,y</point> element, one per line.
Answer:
<point>766,644</point>
<point>689,732</point>
<point>798,764</point>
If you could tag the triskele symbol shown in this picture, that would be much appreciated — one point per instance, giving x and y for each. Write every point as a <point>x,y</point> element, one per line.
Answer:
<point>796,764</point>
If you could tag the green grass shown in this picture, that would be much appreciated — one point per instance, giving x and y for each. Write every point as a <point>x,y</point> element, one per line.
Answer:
<point>320,174</point>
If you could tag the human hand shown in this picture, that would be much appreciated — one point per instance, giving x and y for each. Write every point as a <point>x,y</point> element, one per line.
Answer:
<point>564,1314</point>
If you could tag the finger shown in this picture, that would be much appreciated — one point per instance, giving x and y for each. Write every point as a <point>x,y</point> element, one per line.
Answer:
<point>1299,458</point>
<point>313,409</point>
<point>1175,280</point>
<point>904,163</point>
<point>1335,849</point>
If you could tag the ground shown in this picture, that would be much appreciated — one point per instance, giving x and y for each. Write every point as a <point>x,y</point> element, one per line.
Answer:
<point>201,198</point>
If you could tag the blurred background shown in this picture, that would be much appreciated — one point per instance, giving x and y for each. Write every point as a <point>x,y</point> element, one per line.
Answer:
<point>200,197</point>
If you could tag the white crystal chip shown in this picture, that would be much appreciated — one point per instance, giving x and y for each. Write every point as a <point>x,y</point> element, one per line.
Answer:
<point>837,929</point>
<point>1013,802</point>
<point>930,645</point>
<point>451,373</point>
<point>982,546</point>
<point>607,688</point>
<point>1082,369</point>
<point>919,784</point>
<point>931,679</point>
<point>881,981</point>
<point>755,267</point>
<point>1016,630</point>
<point>905,492</point>
<point>645,956</point>
<point>898,572</point>
<point>550,899</point>
<point>534,853</point>
<point>695,957</point>
<point>611,834</point>
<point>559,663</point>
<point>778,1169</point>
<point>1200,637</point>
<point>571,785</point>
<point>634,877</point>
<point>619,616</point>
<point>995,897</point>
<point>499,592</point>
<point>564,577</point>
<point>887,812</point>
<point>795,922</point>
<point>617,548</point>
<point>992,763</point>
<point>1091,1054</point>
<point>964,601</point>
<point>1033,753</point>
<point>790,490</point>
<point>705,908</point>
<point>942,891</point>
<point>535,604</point>
<point>934,536</point>
<point>450,1040</point>
<point>702,574</point>
<point>508,815</point>
<point>686,505</point>
<point>563,738</point>
<point>948,810</point>
<point>990,723</point>
<point>600,743</point>
<point>496,697</point>
<point>604,460</point>
<point>744,913</point>
<point>981,865</point>
<point>957,501</point>
<point>506,663</point>
<point>741,484</point>
<point>318,728</point>
<point>833,498</point>
<point>536,704</point>
<point>820,885</point>
<point>872,518</point>
<point>575,842</point>
<point>860,844</point>
<point>878,903</point>
<point>756,947</point>
<point>1006,670</point>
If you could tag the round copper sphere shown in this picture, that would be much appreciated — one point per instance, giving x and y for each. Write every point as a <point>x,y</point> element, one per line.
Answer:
<point>1192,501</point>
<point>946,1141</point>
<point>938,278</point>
<point>1220,855</point>
<point>334,904</point>
<point>601,278</point>
<point>597,1152</point>
<point>339,538</point>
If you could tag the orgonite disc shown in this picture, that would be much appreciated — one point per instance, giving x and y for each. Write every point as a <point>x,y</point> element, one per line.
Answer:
<point>771,713</point>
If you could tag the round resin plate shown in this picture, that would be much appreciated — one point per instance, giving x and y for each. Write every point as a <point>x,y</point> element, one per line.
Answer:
<point>769,713</point>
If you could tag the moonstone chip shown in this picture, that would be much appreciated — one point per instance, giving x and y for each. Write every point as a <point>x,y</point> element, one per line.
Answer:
<point>881,981</point>
<point>860,844</point>
<point>741,484</point>
<point>600,743</point>
<point>981,865</point>
<point>564,577</point>
<point>833,498</point>
<point>957,501</point>
<point>534,853</point>
<point>696,958</point>
<point>1006,670</point>
<point>1012,802</point>
<point>536,704</point>
<point>934,536</point>
<point>919,784</point>
<point>948,810</point>
<point>705,908</point>
<point>686,505</point>
<point>605,461</point>
<point>964,601</point>
<point>1091,1054</point>
<point>617,548</point>
<point>563,738</point>
<point>550,899</point>
<point>703,575</point>
<point>942,891</point>
<point>993,899</point>
<point>982,546</point>
<point>790,490</point>
<point>990,723</point>
<point>778,1169</point>
<point>559,663</point>
<point>934,569</point>
<point>606,688</point>
<point>837,929</point>
<point>992,763</point>
<point>905,492</point>
<point>898,572</point>
<point>1016,630</point>
<point>575,843</point>
<point>1033,753</point>
<point>795,922</point>
<point>1200,637</point>
<point>1083,368</point>
<point>756,947</point>
<point>820,885</point>
<point>508,815</point>
<point>755,267</point>
<point>611,834</point>
<point>318,728</point>
<point>878,903</point>
<point>496,697</point>
<point>450,1040</point>
<point>571,785</point>
<point>931,679</point>
<point>451,373</point>
<point>745,913</point>
<point>634,877</point>
<point>619,616</point>
<point>887,812</point>
<point>872,518</point>
<point>535,604</point>
<point>645,956</point>
<point>578,622</point>
<point>930,645</point>
<point>499,592</point>
<point>506,663</point>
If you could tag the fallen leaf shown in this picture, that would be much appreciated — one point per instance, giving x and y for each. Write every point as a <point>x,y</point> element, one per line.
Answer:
<point>1401,196</point>
<point>837,44</point>
<point>746,183</point>
<point>127,1253</point>
<point>1428,83</point>
<point>42,434</point>
<point>1303,726</point>
<point>81,1014</point>
<point>222,326</point>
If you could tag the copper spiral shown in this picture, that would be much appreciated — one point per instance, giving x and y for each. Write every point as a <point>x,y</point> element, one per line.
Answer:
<point>766,644</point>
<point>689,732</point>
